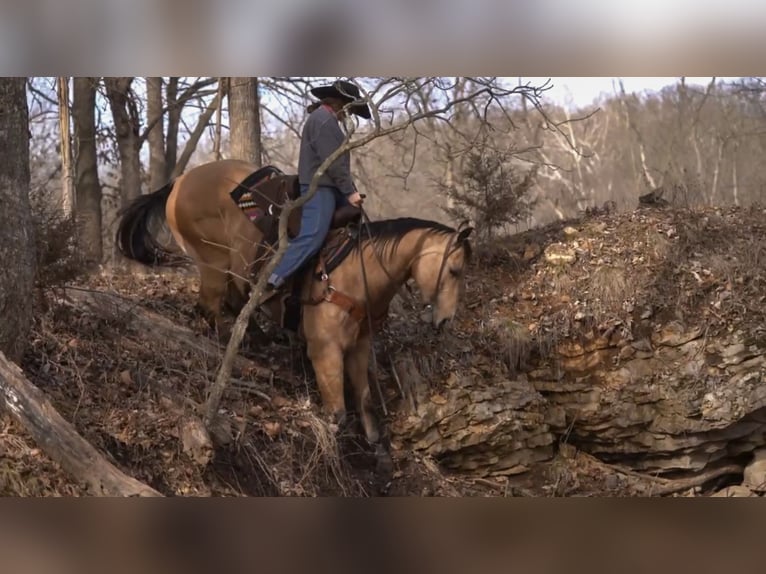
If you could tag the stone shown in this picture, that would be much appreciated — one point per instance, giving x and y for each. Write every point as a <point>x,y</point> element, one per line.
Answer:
<point>737,491</point>
<point>570,231</point>
<point>755,472</point>
<point>531,251</point>
<point>559,253</point>
<point>674,334</point>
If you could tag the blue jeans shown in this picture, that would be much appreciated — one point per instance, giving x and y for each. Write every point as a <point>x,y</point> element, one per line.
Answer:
<point>316,218</point>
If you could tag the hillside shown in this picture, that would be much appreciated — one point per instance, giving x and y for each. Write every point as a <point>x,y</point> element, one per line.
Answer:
<point>617,354</point>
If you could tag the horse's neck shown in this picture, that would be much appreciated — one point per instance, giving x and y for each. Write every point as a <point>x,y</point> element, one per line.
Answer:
<point>393,268</point>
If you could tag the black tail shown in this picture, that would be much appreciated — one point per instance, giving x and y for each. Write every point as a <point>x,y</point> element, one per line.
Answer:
<point>134,238</point>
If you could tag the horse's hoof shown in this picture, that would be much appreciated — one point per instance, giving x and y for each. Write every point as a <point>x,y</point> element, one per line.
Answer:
<point>384,464</point>
<point>340,419</point>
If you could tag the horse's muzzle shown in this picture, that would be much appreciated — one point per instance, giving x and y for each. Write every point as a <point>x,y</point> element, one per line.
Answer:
<point>430,315</point>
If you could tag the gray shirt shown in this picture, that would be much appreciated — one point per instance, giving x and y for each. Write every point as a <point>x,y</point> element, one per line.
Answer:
<point>322,136</point>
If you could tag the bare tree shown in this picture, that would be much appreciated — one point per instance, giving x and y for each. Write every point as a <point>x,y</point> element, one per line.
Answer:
<point>245,120</point>
<point>158,171</point>
<point>126,126</point>
<point>67,178</point>
<point>219,121</point>
<point>194,137</point>
<point>646,173</point>
<point>87,184</point>
<point>17,247</point>
<point>163,146</point>
<point>174,120</point>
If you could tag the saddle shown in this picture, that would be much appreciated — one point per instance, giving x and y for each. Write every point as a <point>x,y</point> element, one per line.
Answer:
<point>261,196</point>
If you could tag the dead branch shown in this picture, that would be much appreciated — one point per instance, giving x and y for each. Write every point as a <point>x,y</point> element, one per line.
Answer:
<point>58,438</point>
<point>190,92</point>
<point>150,324</point>
<point>194,137</point>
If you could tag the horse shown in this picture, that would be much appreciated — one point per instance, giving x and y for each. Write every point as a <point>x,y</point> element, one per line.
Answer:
<point>342,304</point>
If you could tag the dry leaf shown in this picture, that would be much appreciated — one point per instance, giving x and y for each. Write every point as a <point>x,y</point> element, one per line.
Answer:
<point>272,428</point>
<point>279,401</point>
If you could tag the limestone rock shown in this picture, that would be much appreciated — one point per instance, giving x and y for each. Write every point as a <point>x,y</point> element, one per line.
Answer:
<point>737,491</point>
<point>558,253</point>
<point>499,428</point>
<point>755,472</point>
<point>650,369</point>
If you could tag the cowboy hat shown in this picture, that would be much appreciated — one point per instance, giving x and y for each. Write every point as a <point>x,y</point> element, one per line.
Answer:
<point>345,91</point>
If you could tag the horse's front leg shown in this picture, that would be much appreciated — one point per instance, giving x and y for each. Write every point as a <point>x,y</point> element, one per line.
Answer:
<point>327,360</point>
<point>357,362</point>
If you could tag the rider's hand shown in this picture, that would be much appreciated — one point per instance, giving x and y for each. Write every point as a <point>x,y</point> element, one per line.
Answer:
<point>355,199</point>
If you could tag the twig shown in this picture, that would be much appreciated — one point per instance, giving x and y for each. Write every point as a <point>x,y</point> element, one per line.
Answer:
<point>671,485</point>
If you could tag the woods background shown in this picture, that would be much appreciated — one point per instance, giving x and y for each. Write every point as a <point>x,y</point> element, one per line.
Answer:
<point>130,135</point>
<point>491,149</point>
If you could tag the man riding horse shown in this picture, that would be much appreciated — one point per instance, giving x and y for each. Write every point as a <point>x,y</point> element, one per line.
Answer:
<point>340,307</point>
<point>322,135</point>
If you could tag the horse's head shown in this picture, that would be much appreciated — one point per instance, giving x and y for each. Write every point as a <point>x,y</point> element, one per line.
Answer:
<point>439,270</point>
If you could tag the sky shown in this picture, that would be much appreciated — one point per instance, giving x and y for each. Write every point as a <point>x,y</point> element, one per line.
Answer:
<point>582,91</point>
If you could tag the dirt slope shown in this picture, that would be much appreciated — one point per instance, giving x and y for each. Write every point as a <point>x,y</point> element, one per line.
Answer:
<point>617,354</point>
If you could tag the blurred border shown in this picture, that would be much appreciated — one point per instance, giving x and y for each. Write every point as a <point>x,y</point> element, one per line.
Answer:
<point>237,38</point>
<point>448,536</point>
<point>398,37</point>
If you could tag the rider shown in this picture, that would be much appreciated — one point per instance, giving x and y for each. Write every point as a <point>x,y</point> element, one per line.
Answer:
<point>321,136</point>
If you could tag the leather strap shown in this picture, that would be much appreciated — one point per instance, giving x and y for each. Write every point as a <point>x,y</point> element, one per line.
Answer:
<point>332,295</point>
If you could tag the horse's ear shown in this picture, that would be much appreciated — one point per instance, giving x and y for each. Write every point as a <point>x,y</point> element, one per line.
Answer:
<point>464,233</point>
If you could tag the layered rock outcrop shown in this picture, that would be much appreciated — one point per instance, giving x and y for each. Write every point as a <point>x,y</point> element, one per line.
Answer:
<point>638,338</point>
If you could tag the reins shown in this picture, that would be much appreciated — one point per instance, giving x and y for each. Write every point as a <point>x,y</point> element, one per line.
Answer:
<point>365,222</point>
<point>365,219</point>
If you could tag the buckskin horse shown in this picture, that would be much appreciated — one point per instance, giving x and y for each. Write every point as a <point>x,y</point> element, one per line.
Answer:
<point>223,213</point>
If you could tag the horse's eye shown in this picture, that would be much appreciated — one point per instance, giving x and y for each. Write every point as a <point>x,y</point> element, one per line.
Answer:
<point>455,272</point>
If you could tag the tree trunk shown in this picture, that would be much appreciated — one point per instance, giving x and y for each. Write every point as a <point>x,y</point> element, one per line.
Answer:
<point>219,120</point>
<point>174,120</point>
<point>17,260</point>
<point>125,118</point>
<point>87,185</point>
<point>645,173</point>
<point>734,181</point>
<point>154,326</point>
<point>154,117</point>
<point>30,408</point>
<point>67,178</point>
<point>245,120</point>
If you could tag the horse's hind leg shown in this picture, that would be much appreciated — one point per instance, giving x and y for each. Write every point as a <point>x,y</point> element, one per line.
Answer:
<point>212,290</point>
<point>357,361</point>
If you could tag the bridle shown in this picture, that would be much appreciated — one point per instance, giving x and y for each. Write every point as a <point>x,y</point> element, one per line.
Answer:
<point>449,250</point>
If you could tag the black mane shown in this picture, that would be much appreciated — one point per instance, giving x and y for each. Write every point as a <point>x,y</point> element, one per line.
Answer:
<point>387,233</point>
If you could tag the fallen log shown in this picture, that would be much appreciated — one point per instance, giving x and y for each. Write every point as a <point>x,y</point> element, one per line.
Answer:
<point>29,407</point>
<point>151,324</point>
